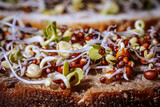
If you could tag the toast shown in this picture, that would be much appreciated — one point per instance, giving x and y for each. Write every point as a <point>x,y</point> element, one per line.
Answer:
<point>101,22</point>
<point>137,92</point>
<point>67,67</point>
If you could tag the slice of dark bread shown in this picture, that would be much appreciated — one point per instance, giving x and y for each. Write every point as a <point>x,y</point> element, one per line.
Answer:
<point>85,19</point>
<point>136,92</point>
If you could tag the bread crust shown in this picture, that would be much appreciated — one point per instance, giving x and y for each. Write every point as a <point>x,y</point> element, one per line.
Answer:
<point>120,25</point>
<point>95,21</point>
<point>100,25</point>
<point>14,93</point>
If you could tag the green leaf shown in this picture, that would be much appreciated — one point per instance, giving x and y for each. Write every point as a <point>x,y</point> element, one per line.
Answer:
<point>80,72</point>
<point>66,68</point>
<point>94,55</point>
<point>111,59</point>
<point>50,31</point>
<point>44,33</point>
<point>67,38</point>
<point>2,43</point>
<point>54,27</point>
<point>15,55</point>
<point>97,46</point>
<point>58,38</point>
<point>75,76</point>
<point>69,33</point>
<point>11,57</point>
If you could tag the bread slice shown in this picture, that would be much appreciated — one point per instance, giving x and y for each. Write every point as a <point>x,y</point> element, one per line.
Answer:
<point>136,92</point>
<point>88,19</point>
<point>90,92</point>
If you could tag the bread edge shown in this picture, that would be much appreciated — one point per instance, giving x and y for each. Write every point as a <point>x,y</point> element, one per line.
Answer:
<point>95,21</point>
<point>14,94</point>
